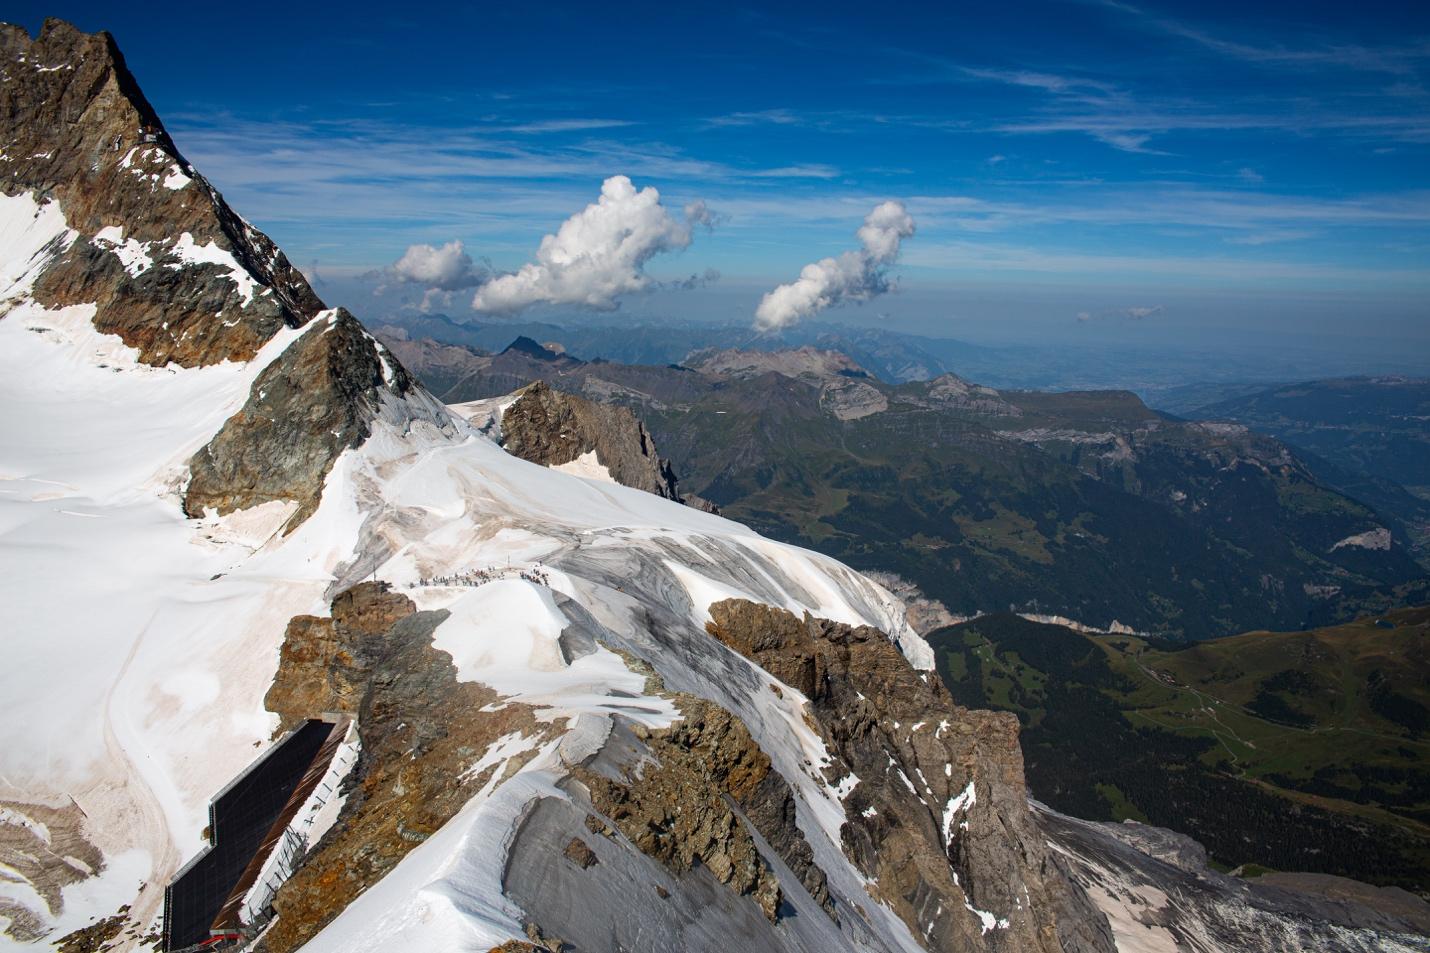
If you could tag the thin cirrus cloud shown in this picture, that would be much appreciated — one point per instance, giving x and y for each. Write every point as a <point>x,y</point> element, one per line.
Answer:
<point>856,275</point>
<point>1392,60</point>
<point>1125,118</point>
<point>598,254</point>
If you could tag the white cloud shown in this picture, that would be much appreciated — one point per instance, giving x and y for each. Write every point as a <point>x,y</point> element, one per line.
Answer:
<point>448,268</point>
<point>853,276</point>
<point>1132,314</point>
<point>596,255</point>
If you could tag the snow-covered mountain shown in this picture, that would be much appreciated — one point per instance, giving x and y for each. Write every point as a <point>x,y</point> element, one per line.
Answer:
<point>206,473</point>
<point>569,710</point>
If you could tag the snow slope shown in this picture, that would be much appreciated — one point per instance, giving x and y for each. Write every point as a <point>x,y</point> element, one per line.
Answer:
<point>140,644</point>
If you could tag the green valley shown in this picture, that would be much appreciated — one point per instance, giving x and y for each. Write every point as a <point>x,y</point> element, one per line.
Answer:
<point>1288,750</point>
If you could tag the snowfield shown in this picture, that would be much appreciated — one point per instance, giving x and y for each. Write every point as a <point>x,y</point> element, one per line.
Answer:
<point>139,644</point>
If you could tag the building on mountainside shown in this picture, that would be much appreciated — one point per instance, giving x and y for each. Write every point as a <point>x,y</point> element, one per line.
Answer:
<point>259,828</point>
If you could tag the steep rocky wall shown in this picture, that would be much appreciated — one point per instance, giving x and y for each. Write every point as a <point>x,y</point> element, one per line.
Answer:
<point>316,400</point>
<point>170,267</point>
<point>674,806</point>
<point>420,730</point>
<point>549,427</point>
<point>937,813</point>
<point>176,274</point>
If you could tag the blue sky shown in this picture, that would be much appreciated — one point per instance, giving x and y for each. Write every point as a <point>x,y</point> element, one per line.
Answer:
<point>1258,170</point>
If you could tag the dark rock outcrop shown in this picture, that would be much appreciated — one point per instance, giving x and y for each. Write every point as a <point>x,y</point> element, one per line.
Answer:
<point>421,729</point>
<point>678,801</point>
<point>315,401</point>
<point>549,427</point>
<point>76,129</point>
<point>176,274</point>
<point>938,815</point>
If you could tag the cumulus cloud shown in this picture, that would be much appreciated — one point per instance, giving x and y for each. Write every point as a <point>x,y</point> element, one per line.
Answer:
<point>598,254</point>
<point>448,268</point>
<point>1132,314</point>
<point>854,276</point>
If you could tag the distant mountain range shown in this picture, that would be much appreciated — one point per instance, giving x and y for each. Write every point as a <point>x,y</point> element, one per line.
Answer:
<point>1177,380</point>
<point>1087,505</point>
<point>1366,436</point>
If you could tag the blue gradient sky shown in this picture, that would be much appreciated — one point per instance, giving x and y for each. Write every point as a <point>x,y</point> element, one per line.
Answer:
<point>1252,170</point>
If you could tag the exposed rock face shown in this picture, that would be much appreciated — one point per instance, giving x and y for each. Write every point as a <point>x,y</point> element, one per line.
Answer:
<point>953,392</point>
<point>674,807</point>
<point>315,401</point>
<point>924,614</point>
<point>1157,889</point>
<point>176,274</point>
<point>170,267</point>
<point>846,390</point>
<point>45,849</point>
<point>552,428</point>
<point>851,399</point>
<point>420,728</point>
<point>804,363</point>
<point>937,814</point>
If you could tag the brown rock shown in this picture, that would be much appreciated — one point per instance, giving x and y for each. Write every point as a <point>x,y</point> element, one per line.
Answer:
<point>914,753</point>
<point>78,131</point>
<point>46,864</point>
<point>420,729</point>
<point>676,810</point>
<point>550,427</point>
<point>317,400</point>
<point>580,854</point>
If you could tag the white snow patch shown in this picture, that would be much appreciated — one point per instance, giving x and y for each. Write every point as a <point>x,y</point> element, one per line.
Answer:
<point>588,467</point>
<point>176,179</point>
<point>1129,931</point>
<point>844,786</point>
<point>191,253</point>
<point>966,799</point>
<point>504,634</point>
<point>27,229</point>
<point>133,255</point>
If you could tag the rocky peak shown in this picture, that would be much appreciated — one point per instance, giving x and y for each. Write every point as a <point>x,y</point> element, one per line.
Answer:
<point>141,238</point>
<point>317,400</point>
<point>803,363</point>
<point>953,392</point>
<point>554,429</point>
<point>169,266</point>
<point>533,349</point>
<point>846,390</point>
